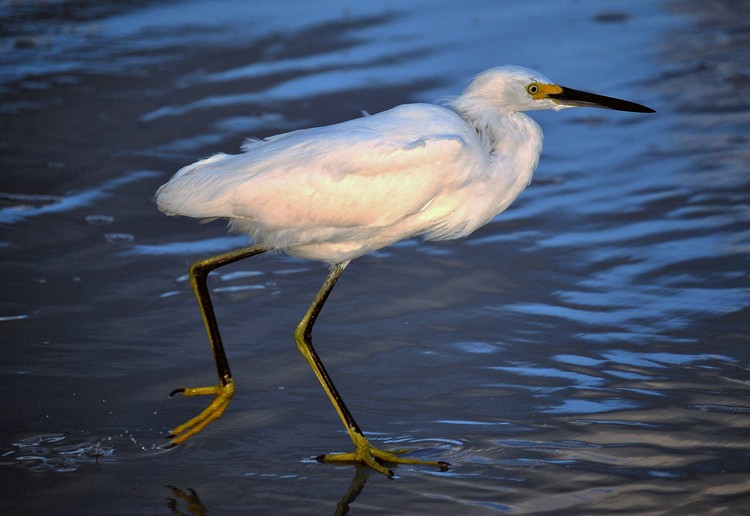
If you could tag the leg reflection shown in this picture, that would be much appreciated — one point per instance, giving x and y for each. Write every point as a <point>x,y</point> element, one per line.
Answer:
<point>356,486</point>
<point>194,505</point>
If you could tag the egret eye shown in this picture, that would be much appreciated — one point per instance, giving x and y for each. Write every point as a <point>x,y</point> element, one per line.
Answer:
<point>532,88</point>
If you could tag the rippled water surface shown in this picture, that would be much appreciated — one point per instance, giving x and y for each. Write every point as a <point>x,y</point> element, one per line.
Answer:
<point>587,351</point>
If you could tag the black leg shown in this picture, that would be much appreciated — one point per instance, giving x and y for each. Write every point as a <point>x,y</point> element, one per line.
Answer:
<point>225,389</point>
<point>364,451</point>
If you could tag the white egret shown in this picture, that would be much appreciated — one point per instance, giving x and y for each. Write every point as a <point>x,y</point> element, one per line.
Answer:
<point>337,192</point>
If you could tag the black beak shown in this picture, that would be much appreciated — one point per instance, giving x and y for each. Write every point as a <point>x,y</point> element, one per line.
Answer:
<point>571,97</point>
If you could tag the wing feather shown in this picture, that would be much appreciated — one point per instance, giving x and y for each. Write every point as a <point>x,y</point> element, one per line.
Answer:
<point>365,173</point>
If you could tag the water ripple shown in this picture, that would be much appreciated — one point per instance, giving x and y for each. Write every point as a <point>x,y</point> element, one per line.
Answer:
<point>19,212</point>
<point>52,452</point>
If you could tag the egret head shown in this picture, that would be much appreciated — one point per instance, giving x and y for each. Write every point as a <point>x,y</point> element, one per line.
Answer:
<point>514,88</point>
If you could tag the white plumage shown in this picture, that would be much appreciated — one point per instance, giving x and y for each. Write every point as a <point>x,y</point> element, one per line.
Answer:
<point>337,192</point>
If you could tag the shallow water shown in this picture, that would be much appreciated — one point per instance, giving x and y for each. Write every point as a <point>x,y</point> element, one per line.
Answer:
<point>586,351</point>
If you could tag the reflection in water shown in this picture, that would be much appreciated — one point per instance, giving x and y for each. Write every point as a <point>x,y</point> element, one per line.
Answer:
<point>355,488</point>
<point>194,507</point>
<point>190,498</point>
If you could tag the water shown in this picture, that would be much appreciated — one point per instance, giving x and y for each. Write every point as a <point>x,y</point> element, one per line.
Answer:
<point>587,351</point>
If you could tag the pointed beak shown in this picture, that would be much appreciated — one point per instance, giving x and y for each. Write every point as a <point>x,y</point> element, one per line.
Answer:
<point>571,97</point>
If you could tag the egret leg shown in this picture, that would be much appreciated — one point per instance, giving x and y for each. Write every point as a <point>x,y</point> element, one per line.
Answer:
<point>364,452</point>
<point>224,390</point>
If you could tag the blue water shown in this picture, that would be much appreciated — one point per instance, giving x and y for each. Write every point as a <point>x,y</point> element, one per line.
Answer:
<point>585,352</point>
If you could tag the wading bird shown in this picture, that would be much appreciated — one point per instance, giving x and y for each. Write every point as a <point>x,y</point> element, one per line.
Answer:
<point>338,192</point>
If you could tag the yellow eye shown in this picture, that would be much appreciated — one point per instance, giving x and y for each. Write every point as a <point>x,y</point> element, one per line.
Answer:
<point>533,88</point>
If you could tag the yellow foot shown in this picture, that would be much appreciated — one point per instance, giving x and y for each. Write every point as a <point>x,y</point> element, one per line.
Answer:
<point>377,458</point>
<point>211,413</point>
